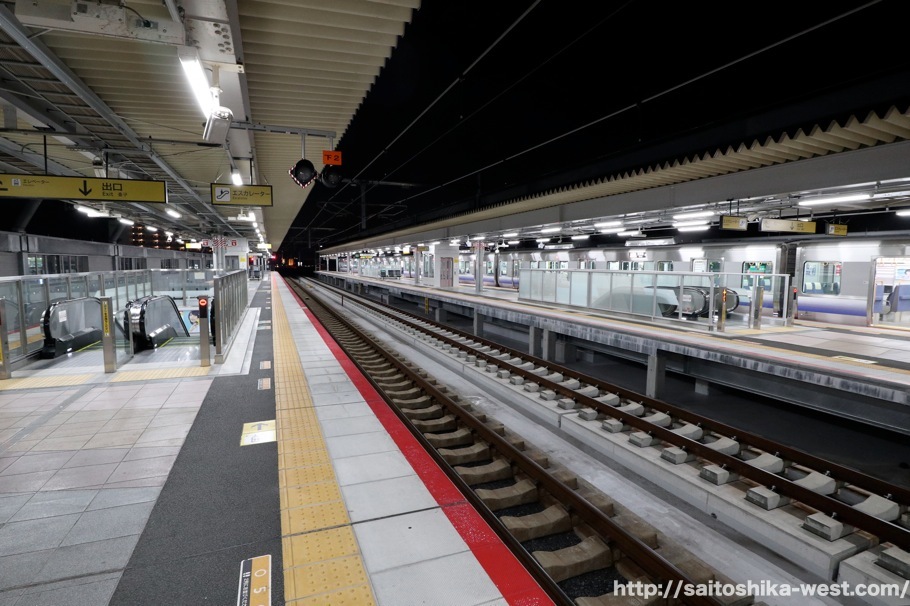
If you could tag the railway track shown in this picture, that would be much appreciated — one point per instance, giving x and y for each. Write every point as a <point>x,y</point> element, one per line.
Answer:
<point>830,500</point>
<point>576,541</point>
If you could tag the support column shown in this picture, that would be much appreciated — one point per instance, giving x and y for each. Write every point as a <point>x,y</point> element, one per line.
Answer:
<point>441,315</point>
<point>657,373</point>
<point>480,250</point>
<point>478,325</point>
<point>534,337</point>
<point>548,346</point>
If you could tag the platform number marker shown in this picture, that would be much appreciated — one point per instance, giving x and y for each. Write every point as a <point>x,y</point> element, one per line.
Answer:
<point>255,587</point>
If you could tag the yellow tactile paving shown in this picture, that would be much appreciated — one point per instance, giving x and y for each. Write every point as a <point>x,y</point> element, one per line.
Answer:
<point>40,382</point>
<point>160,373</point>
<point>322,561</point>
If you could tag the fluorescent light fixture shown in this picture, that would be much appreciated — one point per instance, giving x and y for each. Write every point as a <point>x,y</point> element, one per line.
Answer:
<point>581,237</point>
<point>630,233</point>
<point>454,242</point>
<point>126,221</point>
<point>172,213</point>
<point>199,82</point>
<point>542,240</point>
<point>694,228</point>
<point>150,228</point>
<point>903,213</point>
<point>690,223</point>
<point>835,200</point>
<point>477,238</point>
<point>512,234</point>
<point>256,225</point>
<point>695,215</point>
<point>603,224</point>
<point>85,209</point>
<point>236,179</point>
<point>891,194</point>
<point>550,230</point>
<point>612,230</point>
<point>514,242</point>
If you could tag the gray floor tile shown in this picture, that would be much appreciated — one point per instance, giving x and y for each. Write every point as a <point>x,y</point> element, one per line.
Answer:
<point>88,558</point>
<point>38,462</point>
<point>109,523</point>
<point>35,535</point>
<point>9,505</point>
<point>20,569</point>
<point>25,482</point>
<point>115,497</point>
<point>6,462</point>
<point>54,503</point>
<point>97,456</point>
<point>142,468</point>
<point>95,593</point>
<point>80,477</point>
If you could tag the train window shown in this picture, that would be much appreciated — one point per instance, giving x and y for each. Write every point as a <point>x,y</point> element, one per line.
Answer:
<point>488,268</point>
<point>821,277</point>
<point>503,268</point>
<point>665,266</point>
<point>756,267</point>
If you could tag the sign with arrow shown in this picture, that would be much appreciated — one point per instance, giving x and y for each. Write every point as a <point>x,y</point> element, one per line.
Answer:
<point>82,188</point>
<point>258,433</point>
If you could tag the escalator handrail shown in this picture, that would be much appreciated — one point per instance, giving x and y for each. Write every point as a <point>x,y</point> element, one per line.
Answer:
<point>45,319</point>
<point>144,301</point>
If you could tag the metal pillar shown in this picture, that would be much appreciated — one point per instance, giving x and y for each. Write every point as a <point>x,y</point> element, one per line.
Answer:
<point>5,370</point>
<point>108,347</point>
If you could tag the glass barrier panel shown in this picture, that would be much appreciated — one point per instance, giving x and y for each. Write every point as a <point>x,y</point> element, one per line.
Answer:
<point>601,285</point>
<point>78,287</point>
<point>35,298</point>
<point>578,295</point>
<point>9,293</point>
<point>562,287</point>
<point>548,287</point>
<point>94,285</point>
<point>524,284</point>
<point>58,288</point>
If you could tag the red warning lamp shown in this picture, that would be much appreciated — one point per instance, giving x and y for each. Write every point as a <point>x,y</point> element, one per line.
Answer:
<point>203,307</point>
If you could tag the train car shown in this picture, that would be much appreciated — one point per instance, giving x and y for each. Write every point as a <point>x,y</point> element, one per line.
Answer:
<point>838,280</point>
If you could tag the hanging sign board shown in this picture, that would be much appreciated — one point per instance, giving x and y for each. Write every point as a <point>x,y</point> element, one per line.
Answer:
<point>802,227</point>
<point>331,157</point>
<point>241,195</point>
<point>82,188</point>
<point>833,229</point>
<point>734,222</point>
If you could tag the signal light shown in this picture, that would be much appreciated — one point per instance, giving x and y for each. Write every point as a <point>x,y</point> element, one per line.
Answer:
<point>303,173</point>
<point>203,307</point>
<point>330,177</point>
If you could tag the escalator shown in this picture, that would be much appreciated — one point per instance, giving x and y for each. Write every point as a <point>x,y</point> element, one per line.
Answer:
<point>155,320</point>
<point>69,325</point>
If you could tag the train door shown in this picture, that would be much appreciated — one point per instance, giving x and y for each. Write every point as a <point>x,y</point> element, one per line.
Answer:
<point>889,292</point>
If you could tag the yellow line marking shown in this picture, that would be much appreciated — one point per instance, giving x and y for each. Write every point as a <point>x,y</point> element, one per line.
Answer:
<point>39,382</point>
<point>322,561</point>
<point>160,373</point>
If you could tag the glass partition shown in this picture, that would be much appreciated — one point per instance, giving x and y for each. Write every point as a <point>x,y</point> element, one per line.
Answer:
<point>692,297</point>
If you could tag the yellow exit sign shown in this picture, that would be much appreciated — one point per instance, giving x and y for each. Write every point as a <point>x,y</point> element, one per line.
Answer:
<point>82,188</point>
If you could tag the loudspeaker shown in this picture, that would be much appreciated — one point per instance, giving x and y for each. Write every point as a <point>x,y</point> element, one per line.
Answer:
<point>218,125</point>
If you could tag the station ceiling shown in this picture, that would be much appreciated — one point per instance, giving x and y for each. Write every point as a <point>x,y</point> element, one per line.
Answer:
<point>442,111</point>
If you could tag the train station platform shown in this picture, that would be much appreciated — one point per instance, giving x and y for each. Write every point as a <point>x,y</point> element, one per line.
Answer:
<point>854,372</point>
<point>159,485</point>
<point>279,474</point>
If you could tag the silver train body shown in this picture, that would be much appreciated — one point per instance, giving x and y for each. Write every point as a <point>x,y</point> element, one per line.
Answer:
<point>838,280</point>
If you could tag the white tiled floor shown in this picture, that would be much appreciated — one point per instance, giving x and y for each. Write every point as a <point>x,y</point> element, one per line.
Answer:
<point>81,468</point>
